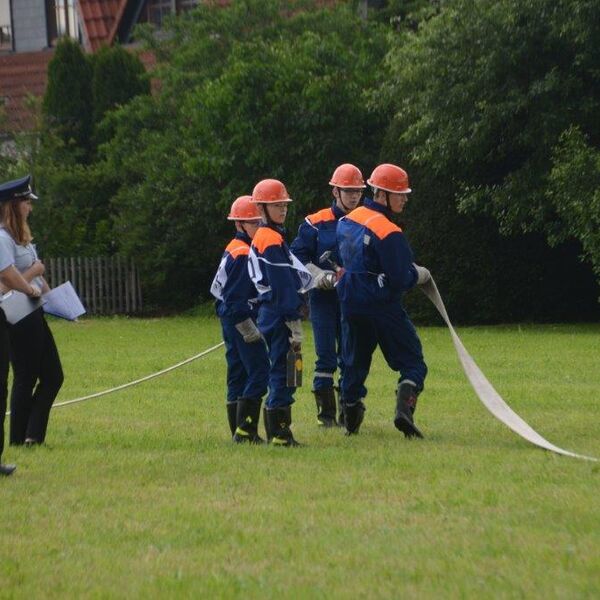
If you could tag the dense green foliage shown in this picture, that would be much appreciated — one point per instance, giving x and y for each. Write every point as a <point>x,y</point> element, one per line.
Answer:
<point>490,106</point>
<point>68,98</point>
<point>246,93</point>
<point>118,76</point>
<point>486,91</point>
<point>141,493</point>
<point>574,192</point>
<point>74,217</point>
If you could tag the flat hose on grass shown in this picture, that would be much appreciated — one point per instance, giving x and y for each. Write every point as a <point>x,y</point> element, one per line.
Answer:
<point>141,380</point>
<point>490,398</point>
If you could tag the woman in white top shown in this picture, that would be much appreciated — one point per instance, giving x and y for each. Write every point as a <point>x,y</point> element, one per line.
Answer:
<point>10,278</point>
<point>38,373</point>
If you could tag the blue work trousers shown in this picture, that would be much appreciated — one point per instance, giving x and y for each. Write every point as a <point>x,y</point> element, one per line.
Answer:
<point>247,364</point>
<point>393,331</point>
<point>325,318</point>
<point>277,335</point>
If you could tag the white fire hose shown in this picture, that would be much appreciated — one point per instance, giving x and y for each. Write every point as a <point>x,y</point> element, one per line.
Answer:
<point>142,379</point>
<point>484,389</point>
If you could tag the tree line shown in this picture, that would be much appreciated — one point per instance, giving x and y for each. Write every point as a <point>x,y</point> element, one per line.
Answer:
<point>491,106</point>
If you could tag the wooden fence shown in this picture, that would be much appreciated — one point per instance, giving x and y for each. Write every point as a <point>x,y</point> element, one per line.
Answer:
<point>106,285</point>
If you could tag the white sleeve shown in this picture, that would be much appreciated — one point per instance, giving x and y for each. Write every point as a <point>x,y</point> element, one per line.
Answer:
<point>7,252</point>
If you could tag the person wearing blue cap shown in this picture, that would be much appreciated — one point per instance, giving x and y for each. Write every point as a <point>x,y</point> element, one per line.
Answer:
<point>10,278</point>
<point>38,374</point>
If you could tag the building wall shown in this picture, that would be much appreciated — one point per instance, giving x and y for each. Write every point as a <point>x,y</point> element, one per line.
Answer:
<point>29,25</point>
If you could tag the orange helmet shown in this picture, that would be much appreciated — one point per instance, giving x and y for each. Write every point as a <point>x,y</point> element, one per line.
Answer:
<point>243,209</point>
<point>390,178</point>
<point>269,191</point>
<point>347,176</point>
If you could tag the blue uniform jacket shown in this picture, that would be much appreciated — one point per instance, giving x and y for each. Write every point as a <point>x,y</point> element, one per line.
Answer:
<point>238,298</point>
<point>316,235</point>
<point>271,268</point>
<point>377,260</point>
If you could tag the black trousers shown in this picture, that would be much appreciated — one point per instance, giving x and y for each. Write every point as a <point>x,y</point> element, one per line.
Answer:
<point>3,375</point>
<point>38,377</point>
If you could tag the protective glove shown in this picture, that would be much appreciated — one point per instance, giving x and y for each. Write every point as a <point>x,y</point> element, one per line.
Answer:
<point>249,331</point>
<point>295,328</point>
<point>323,280</point>
<point>423,274</point>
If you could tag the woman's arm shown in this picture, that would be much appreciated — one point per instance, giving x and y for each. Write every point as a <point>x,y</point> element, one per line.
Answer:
<point>37,269</point>
<point>11,279</point>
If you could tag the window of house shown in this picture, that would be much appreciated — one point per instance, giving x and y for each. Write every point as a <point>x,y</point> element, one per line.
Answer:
<point>183,5</point>
<point>155,11</point>
<point>62,20</point>
<point>6,38</point>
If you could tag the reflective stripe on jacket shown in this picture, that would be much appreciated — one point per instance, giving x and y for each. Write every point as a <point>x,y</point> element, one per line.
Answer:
<point>275,276</point>
<point>232,287</point>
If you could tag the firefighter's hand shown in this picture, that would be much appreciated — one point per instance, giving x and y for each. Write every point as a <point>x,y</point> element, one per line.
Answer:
<point>322,279</point>
<point>249,331</point>
<point>423,274</point>
<point>326,280</point>
<point>295,328</point>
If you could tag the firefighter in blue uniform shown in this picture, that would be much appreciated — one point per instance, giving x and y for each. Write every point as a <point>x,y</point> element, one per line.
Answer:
<point>280,279</point>
<point>378,267</point>
<point>316,237</point>
<point>246,353</point>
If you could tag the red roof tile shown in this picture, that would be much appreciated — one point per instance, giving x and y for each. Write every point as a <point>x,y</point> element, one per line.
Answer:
<point>100,19</point>
<point>21,75</point>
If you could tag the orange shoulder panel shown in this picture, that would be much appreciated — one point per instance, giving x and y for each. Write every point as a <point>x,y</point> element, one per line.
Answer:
<point>237,248</point>
<point>322,215</point>
<point>378,223</point>
<point>265,237</point>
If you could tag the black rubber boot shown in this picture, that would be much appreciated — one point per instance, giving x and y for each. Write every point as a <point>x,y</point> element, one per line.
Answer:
<point>266,422</point>
<point>354,415</point>
<point>279,421</point>
<point>7,470</point>
<point>406,404</point>
<point>248,413</point>
<point>325,400</point>
<point>232,416</point>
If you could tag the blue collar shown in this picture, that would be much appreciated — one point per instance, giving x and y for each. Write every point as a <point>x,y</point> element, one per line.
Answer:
<point>240,235</point>
<point>278,228</point>
<point>338,213</point>
<point>380,208</point>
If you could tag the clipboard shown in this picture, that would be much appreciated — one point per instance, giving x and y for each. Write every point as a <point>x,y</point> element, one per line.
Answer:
<point>17,306</point>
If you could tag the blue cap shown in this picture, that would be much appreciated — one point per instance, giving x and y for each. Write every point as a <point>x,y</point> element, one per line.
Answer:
<point>17,188</point>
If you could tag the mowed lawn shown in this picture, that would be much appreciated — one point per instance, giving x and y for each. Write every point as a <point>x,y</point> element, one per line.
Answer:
<point>142,494</point>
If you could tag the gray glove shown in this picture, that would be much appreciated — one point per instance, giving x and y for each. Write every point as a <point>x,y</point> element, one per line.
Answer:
<point>249,331</point>
<point>323,280</point>
<point>423,274</point>
<point>295,328</point>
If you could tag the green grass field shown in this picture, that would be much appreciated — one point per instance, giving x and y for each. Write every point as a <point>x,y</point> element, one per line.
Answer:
<point>141,493</point>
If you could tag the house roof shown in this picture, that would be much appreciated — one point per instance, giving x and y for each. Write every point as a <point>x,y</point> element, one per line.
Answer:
<point>22,74</point>
<point>100,20</point>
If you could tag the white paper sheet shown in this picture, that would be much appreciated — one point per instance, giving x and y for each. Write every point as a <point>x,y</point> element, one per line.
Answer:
<point>63,302</point>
